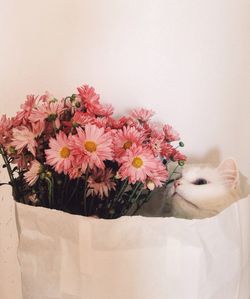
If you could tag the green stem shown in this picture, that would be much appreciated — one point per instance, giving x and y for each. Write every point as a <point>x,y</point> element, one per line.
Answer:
<point>50,191</point>
<point>84,202</point>
<point>169,179</point>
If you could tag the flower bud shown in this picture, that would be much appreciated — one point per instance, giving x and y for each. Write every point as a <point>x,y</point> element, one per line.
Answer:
<point>150,185</point>
<point>181,144</point>
<point>181,162</point>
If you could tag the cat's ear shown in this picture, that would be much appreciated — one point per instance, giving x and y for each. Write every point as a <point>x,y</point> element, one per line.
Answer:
<point>229,171</point>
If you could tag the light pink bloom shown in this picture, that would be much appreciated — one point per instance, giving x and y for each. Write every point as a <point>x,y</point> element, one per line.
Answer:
<point>82,118</point>
<point>5,129</point>
<point>142,115</point>
<point>125,138</point>
<point>59,155</point>
<point>88,96</point>
<point>159,175</point>
<point>170,133</point>
<point>92,147</point>
<point>178,156</point>
<point>167,150</point>
<point>137,164</point>
<point>32,175</point>
<point>100,182</point>
<point>22,117</point>
<point>50,111</point>
<point>24,138</point>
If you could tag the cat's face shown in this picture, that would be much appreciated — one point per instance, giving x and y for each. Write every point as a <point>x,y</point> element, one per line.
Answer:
<point>205,191</point>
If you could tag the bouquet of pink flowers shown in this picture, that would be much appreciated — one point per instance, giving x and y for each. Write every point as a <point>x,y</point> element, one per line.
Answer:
<point>73,155</point>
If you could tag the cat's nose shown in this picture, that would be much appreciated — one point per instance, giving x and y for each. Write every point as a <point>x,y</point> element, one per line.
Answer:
<point>177,183</point>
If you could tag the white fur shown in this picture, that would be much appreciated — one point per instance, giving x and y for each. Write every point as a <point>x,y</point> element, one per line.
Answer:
<point>190,201</point>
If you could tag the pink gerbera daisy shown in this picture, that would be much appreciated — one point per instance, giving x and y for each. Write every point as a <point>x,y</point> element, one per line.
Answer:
<point>24,138</point>
<point>32,175</point>
<point>100,182</point>
<point>125,138</point>
<point>92,146</point>
<point>137,164</point>
<point>142,115</point>
<point>59,155</point>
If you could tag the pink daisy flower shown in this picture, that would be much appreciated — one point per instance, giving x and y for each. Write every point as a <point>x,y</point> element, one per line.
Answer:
<point>178,156</point>
<point>170,133</point>
<point>137,164</point>
<point>88,96</point>
<point>100,182</point>
<point>5,129</point>
<point>125,138</point>
<point>142,115</point>
<point>59,155</point>
<point>50,111</point>
<point>24,138</point>
<point>22,117</point>
<point>92,146</point>
<point>32,175</point>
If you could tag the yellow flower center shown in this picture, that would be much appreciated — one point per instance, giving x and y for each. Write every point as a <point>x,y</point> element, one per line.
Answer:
<point>137,162</point>
<point>90,146</point>
<point>64,152</point>
<point>127,144</point>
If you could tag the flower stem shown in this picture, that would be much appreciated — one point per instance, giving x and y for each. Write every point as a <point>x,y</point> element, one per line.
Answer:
<point>84,202</point>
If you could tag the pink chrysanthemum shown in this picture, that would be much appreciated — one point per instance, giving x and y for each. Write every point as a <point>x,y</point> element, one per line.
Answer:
<point>178,156</point>
<point>125,138</point>
<point>24,138</point>
<point>47,111</point>
<point>100,182</point>
<point>88,96</point>
<point>59,156</point>
<point>170,133</point>
<point>138,164</point>
<point>142,115</point>
<point>5,129</point>
<point>32,175</point>
<point>92,146</point>
<point>22,116</point>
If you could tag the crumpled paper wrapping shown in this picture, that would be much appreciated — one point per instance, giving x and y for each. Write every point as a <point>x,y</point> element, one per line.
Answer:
<point>63,256</point>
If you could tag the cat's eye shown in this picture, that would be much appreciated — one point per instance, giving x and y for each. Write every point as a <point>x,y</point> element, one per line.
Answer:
<point>200,182</point>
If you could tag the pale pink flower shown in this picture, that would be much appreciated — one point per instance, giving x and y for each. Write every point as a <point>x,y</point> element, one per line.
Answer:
<point>170,133</point>
<point>59,155</point>
<point>81,118</point>
<point>102,110</point>
<point>5,129</point>
<point>24,138</point>
<point>88,96</point>
<point>22,117</point>
<point>50,111</point>
<point>92,147</point>
<point>125,138</point>
<point>159,175</point>
<point>178,156</point>
<point>142,115</point>
<point>137,164</point>
<point>32,175</point>
<point>156,144</point>
<point>100,182</point>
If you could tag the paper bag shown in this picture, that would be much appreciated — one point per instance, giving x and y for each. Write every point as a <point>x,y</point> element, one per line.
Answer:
<point>64,256</point>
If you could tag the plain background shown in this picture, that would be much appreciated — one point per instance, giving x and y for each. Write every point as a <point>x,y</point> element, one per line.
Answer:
<point>187,60</point>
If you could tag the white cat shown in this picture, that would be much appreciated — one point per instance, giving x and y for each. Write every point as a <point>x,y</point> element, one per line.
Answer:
<point>201,192</point>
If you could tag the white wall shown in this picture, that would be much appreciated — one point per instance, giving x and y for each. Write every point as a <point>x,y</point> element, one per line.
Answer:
<point>188,60</point>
